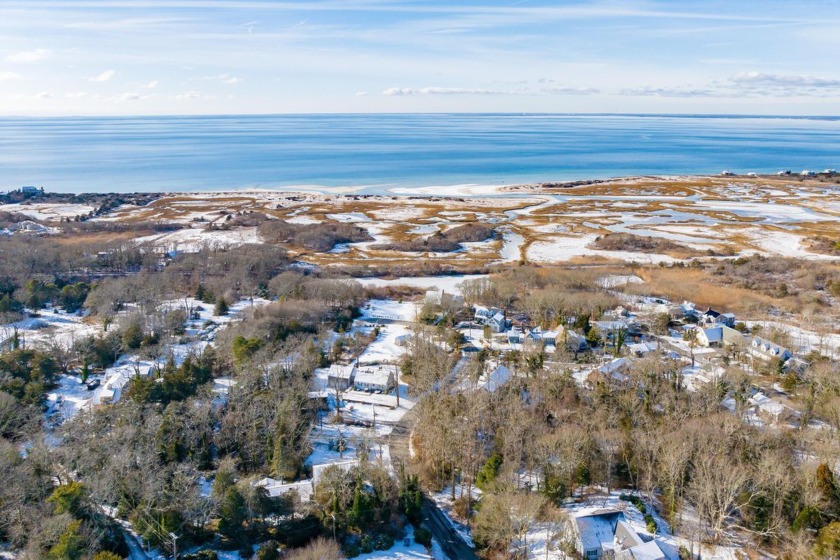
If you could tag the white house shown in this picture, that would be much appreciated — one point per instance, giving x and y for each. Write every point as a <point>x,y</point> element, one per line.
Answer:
<point>403,340</point>
<point>375,378</point>
<point>596,532</point>
<point>718,336</point>
<point>492,317</point>
<point>276,488</point>
<point>497,379</point>
<point>341,377</point>
<point>607,534</point>
<point>765,350</point>
<point>612,372</point>
<point>641,349</point>
<point>573,341</point>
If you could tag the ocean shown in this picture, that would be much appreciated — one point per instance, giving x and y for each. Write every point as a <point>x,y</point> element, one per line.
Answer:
<point>379,152</point>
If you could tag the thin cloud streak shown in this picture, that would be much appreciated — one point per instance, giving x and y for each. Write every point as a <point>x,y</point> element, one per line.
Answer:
<point>103,77</point>
<point>25,57</point>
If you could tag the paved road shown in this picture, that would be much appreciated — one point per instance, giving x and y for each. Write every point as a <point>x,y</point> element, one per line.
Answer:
<point>450,540</point>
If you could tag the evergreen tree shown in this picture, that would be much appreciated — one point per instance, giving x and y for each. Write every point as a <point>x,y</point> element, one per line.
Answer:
<point>232,513</point>
<point>222,307</point>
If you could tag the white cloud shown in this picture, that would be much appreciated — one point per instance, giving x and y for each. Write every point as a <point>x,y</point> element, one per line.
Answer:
<point>394,91</point>
<point>10,76</point>
<point>151,85</point>
<point>76,95</point>
<point>568,90</point>
<point>43,95</point>
<point>29,56</point>
<point>361,94</point>
<point>762,79</point>
<point>104,76</point>
<point>225,79</point>
<point>191,95</point>
<point>651,91</point>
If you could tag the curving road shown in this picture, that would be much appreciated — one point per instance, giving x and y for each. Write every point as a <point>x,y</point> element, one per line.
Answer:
<point>450,540</point>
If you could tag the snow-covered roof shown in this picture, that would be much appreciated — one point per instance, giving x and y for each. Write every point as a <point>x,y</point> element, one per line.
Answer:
<point>497,379</point>
<point>767,347</point>
<point>485,312</point>
<point>626,536</point>
<point>647,551</point>
<point>643,347</point>
<point>613,366</point>
<point>340,371</point>
<point>375,375</point>
<point>277,488</point>
<point>714,335</point>
<point>597,531</point>
<point>318,470</point>
<point>605,326</point>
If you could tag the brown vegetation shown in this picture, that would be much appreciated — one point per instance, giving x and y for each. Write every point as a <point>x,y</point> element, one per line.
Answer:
<point>315,237</point>
<point>445,242</point>
<point>637,244</point>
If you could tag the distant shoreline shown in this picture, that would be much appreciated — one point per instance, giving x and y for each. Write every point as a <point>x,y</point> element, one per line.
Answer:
<point>462,190</point>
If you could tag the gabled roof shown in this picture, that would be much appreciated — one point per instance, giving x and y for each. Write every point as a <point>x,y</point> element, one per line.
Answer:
<point>714,335</point>
<point>375,375</point>
<point>627,537</point>
<point>647,551</point>
<point>598,529</point>
<point>497,379</point>
<point>341,371</point>
<point>769,348</point>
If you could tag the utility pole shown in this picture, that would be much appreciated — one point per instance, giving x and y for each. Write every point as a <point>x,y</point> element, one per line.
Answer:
<point>397,369</point>
<point>174,545</point>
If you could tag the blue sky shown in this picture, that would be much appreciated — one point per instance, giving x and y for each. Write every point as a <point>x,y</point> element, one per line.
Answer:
<point>137,57</point>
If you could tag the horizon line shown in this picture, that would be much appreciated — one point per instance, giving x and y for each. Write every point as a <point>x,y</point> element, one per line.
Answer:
<point>427,113</point>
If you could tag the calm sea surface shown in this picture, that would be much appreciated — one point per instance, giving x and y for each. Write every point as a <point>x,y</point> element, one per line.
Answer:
<point>382,151</point>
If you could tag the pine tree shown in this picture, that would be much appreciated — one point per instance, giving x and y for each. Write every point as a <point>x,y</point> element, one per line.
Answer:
<point>222,307</point>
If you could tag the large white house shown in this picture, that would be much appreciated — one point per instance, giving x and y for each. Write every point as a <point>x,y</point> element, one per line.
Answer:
<point>375,378</point>
<point>607,534</point>
<point>491,317</point>
<point>341,377</point>
<point>763,349</point>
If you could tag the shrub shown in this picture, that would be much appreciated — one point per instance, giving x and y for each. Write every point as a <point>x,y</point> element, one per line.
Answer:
<point>650,524</point>
<point>423,536</point>
<point>221,308</point>
<point>489,471</point>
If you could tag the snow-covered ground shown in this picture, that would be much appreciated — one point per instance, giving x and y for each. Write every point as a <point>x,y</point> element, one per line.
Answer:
<point>48,212</point>
<point>71,396</point>
<point>449,284</point>
<point>52,327</point>
<point>190,240</point>
<point>563,248</point>
<point>411,551</point>
<point>389,310</point>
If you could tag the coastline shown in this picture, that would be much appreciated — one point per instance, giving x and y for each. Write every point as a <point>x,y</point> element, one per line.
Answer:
<point>681,217</point>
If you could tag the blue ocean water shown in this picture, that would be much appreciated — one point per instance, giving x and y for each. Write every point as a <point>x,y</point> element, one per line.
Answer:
<point>123,154</point>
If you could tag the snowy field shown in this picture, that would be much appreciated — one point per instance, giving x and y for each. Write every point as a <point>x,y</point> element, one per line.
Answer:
<point>449,284</point>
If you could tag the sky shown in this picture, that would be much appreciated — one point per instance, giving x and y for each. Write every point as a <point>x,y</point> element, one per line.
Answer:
<point>144,57</point>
